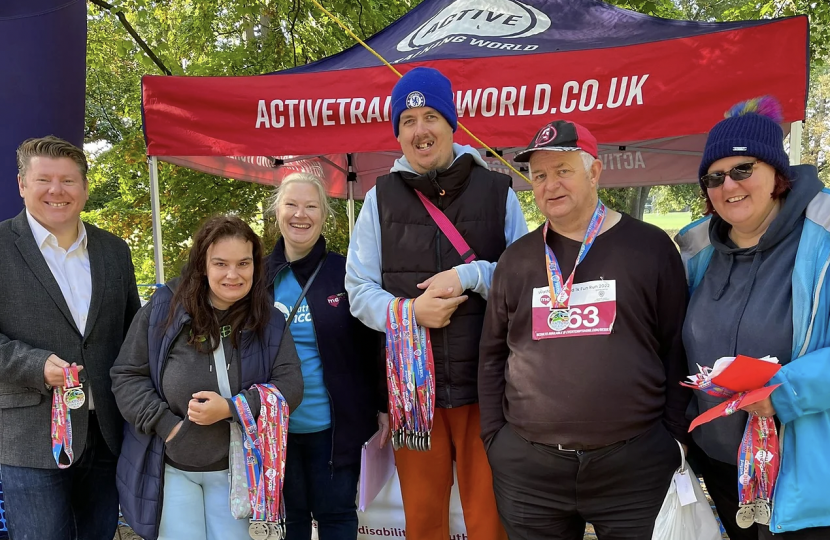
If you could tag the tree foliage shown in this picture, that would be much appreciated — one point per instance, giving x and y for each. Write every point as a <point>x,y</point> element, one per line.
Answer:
<point>815,142</point>
<point>208,37</point>
<point>683,198</point>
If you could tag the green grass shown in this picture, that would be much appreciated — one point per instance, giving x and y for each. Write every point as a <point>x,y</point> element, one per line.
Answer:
<point>672,221</point>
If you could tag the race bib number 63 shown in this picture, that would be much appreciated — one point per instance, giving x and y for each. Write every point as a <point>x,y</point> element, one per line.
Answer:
<point>593,310</point>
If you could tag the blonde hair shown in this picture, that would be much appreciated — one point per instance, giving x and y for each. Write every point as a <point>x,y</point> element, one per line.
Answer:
<point>51,147</point>
<point>302,178</point>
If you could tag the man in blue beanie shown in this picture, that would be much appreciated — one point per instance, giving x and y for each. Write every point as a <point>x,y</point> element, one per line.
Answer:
<point>399,251</point>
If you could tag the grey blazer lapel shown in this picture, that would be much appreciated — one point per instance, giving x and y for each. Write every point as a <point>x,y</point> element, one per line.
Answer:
<point>98,270</point>
<point>31,254</point>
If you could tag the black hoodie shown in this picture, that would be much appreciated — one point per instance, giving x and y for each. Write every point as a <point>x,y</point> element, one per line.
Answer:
<point>743,305</point>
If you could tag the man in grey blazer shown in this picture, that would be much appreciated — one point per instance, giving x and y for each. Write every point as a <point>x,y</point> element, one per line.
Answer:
<point>68,298</point>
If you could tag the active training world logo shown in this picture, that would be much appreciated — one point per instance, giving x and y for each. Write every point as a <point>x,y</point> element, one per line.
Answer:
<point>502,19</point>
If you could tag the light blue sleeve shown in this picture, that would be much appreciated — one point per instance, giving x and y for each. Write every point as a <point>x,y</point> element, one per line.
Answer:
<point>367,298</point>
<point>477,275</point>
<point>804,386</point>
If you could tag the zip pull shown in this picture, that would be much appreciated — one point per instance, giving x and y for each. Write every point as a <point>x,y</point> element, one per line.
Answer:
<point>432,175</point>
<point>438,188</point>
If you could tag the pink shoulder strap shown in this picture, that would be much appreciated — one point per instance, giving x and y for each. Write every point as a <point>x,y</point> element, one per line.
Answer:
<point>449,230</point>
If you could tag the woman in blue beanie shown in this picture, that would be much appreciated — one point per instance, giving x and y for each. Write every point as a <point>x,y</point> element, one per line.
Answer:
<point>757,268</point>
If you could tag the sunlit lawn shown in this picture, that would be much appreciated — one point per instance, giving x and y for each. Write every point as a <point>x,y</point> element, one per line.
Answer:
<point>669,222</point>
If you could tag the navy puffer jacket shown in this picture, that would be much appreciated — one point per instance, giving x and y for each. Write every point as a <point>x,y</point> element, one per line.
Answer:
<point>140,473</point>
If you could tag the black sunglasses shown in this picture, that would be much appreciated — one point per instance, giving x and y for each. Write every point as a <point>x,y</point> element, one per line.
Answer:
<point>737,173</point>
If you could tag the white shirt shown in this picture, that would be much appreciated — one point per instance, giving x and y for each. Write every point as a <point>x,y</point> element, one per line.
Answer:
<point>70,268</point>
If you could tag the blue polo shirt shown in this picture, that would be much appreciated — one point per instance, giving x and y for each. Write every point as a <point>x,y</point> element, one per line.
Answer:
<point>314,413</point>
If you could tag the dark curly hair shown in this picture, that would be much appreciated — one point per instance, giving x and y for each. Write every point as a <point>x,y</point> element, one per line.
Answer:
<point>250,313</point>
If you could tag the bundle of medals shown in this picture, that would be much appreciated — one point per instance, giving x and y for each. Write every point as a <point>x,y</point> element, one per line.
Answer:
<point>69,396</point>
<point>264,446</point>
<point>560,290</point>
<point>758,456</point>
<point>758,463</point>
<point>410,377</point>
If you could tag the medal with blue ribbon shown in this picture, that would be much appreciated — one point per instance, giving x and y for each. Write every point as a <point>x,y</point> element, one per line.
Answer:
<point>560,290</point>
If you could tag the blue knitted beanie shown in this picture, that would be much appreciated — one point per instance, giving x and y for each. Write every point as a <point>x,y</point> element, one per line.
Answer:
<point>751,128</point>
<point>423,87</point>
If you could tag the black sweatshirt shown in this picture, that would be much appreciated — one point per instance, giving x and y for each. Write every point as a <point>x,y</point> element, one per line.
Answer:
<point>596,389</point>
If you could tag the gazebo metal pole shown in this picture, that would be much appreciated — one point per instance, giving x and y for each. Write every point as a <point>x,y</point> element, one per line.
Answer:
<point>156,211</point>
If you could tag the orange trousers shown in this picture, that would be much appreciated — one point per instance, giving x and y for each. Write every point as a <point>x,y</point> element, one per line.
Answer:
<point>426,480</point>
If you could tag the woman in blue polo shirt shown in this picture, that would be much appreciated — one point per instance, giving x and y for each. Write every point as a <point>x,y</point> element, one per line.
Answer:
<point>344,398</point>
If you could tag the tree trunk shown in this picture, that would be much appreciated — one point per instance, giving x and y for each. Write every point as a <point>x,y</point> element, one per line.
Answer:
<point>265,25</point>
<point>637,204</point>
<point>248,31</point>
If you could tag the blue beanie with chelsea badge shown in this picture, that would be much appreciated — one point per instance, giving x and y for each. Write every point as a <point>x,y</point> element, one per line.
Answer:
<point>423,87</point>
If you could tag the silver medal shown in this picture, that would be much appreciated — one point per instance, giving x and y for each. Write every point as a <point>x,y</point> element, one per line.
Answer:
<point>762,512</point>
<point>74,397</point>
<point>745,516</point>
<point>559,319</point>
<point>275,531</point>
<point>259,530</point>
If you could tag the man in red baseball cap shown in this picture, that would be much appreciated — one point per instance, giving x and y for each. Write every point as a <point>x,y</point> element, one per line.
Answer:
<point>581,358</point>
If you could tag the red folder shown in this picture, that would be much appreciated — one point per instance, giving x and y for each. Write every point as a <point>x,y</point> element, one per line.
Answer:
<point>744,374</point>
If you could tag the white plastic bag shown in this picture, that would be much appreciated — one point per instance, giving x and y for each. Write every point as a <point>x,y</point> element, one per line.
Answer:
<point>694,521</point>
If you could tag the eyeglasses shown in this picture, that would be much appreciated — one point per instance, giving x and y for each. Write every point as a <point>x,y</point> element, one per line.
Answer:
<point>737,173</point>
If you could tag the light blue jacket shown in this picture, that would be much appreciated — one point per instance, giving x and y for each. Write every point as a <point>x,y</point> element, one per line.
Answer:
<point>802,403</point>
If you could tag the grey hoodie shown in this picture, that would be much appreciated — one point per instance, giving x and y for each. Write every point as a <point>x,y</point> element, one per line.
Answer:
<point>402,164</point>
<point>743,305</point>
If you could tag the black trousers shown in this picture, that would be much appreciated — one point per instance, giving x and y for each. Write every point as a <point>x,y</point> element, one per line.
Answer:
<point>722,483</point>
<point>546,493</point>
